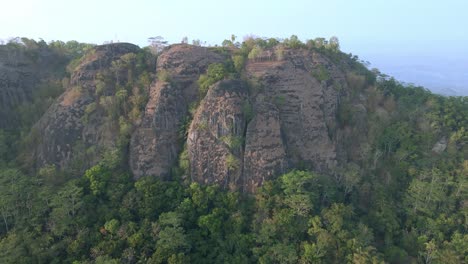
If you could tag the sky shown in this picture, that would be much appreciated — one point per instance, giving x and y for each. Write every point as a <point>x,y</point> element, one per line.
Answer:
<point>392,35</point>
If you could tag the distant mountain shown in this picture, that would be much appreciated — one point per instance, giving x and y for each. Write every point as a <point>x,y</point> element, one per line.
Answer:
<point>445,75</point>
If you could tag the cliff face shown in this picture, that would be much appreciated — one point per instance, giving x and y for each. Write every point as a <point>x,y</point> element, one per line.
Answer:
<point>77,125</point>
<point>293,115</point>
<point>281,114</point>
<point>215,138</point>
<point>155,144</point>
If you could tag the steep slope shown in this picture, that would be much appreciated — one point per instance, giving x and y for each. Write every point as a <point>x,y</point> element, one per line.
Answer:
<point>279,113</point>
<point>353,166</point>
<point>155,143</point>
<point>294,115</point>
<point>79,125</point>
<point>215,137</point>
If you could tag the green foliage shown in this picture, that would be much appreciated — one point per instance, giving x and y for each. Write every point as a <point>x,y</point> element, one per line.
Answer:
<point>232,162</point>
<point>395,200</point>
<point>5,147</point>
<point>247,111</point>
<point>293,42</point>
<point>112,226</point>
<point>163,76</point>
<point>279,100</point>
<point>89,109</point>
<point>233,142</point>
<point>43,96</point>
<point>239,62</point>
<point>321,74</point>
<point>184,162</point>
<point>255,53</point>
<point>214,73</point>
<point>98,177</point>
<point>65,207</point>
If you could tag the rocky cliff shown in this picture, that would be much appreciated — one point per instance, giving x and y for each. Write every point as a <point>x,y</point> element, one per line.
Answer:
<point>79,126</point>
<point>155,143</point>
<point>275,114</point>
<point>216,135</point>
<point>292,115</point>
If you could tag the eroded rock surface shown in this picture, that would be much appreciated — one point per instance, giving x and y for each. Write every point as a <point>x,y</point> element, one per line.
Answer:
<point>295,115</point>
<point>294,106</point>
<point>216,135</point>
<point>155,143</point>
<point>279,114</point>
<point>265,152</point>
<point>63,132</point>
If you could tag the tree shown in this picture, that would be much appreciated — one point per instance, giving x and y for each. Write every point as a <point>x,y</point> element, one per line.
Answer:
<point>334,43</point>
<point>425,193</point>
<point>255,52</point>
<point>214,73</point>
<point>17,197</point>
<point>157,44</point>
<point>65,206</point>
<point>239,62</point>
<point>171,241</point>
<point>293,42</point>
<point>112,226</point>
<point>98,177</point>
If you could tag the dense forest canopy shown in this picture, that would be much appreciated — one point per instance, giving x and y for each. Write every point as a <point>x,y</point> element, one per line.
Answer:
<point>400,198</point>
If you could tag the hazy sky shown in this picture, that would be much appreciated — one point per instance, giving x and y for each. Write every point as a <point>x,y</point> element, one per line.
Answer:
<point>372,29</point>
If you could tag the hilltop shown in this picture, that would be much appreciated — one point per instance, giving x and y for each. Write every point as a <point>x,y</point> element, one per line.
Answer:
<point>262,151</point>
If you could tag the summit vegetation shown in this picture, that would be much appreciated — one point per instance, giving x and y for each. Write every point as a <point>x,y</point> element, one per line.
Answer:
<point>398,192</point>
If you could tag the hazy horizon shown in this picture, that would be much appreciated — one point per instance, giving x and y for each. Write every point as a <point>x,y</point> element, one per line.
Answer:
<point>416,42</point>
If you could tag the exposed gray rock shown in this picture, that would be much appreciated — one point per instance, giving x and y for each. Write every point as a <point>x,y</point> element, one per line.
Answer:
<point>155,143</point>
<point>440,145</point>
<point>62,132</point>
<point>216,135</point>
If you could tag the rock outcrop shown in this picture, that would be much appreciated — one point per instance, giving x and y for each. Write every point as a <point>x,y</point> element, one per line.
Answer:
<point>280,115</point>
<point>265,151</point>
<point>66,130</point>
<point>155,144</point>
<point>295,114</point>
<point>216,135</point>
<point>294,106</point>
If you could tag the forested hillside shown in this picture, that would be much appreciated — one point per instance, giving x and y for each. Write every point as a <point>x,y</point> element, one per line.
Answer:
<point>265,151</point>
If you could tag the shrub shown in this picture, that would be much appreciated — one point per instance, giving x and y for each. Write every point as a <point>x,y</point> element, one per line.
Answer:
<point>233,142</point>
<point>321,74</point>
<point>239,62</point>
<point>232,162</point>
<point>247,110</point>
<point>215,72</point>
<point>163,76</point>
<point>255,53</point>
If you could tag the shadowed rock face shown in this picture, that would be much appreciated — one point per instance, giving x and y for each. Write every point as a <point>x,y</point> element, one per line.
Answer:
<point>62,132</point>
<point>306,106</point>
<point>215,138</point>
<point>155,143</point>
<point>265,152</point>
<point>241,134</point>
<point>293,115</point>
